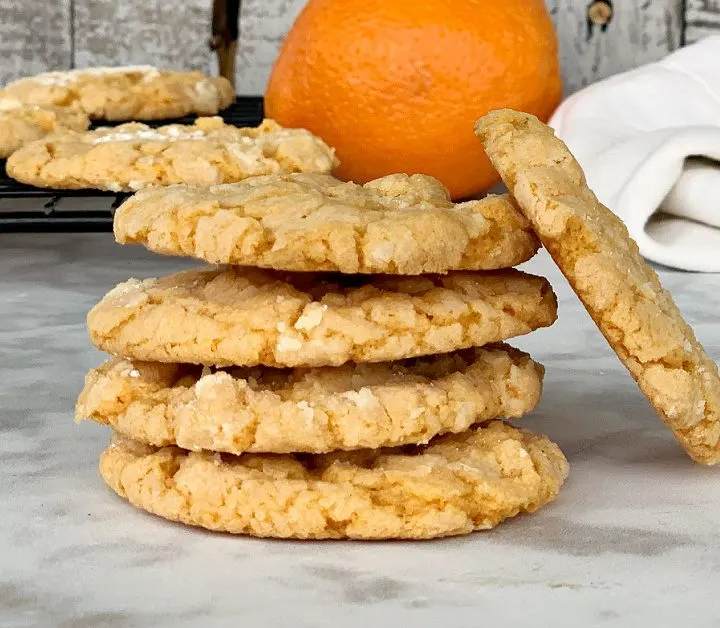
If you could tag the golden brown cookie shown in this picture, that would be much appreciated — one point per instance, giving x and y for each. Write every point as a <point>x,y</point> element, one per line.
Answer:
<point>243,316</point>
<point>456,484</point>
<point>621,292</point>
<point>268,410</point>
<point>127,93</point>
<point>21,123</point>
<point>398,224</point>
<point>133,155</point>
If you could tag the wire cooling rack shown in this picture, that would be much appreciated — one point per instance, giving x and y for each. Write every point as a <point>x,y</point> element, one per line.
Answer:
<point>27,208</point>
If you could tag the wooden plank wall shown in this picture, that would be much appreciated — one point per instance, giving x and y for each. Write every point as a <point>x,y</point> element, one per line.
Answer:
<point>136,32</point>
<point>34,36</point>
<point>639,31</point>
<point>37,36</point>
<point>702,18</point>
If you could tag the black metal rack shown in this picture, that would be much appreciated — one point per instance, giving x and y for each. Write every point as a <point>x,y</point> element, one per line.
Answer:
<point>52,216</point>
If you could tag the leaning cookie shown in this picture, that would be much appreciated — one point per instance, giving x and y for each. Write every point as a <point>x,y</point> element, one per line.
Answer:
<point>21,123</point>
<point>245,316</point>
<point>456,484</point>
<point>621,292</point>
<point>397,224</point>
<point>127,93</point>
<point>132,156</point>
<point>310,410</point>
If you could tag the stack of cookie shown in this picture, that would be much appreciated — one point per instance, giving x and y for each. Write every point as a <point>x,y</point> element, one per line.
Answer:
<point>58,103</point>
<point>338,376</point>
<point>43,122</point>
<point>49,147</point>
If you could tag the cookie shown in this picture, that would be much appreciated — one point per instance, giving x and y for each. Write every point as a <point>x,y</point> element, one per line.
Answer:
<point>318,410</point>
<point>456,484</point>
<point>244,316</point>
<point>398,224</point>
<point>127,93</point>
<point>131,156</point>
<point>621,292</point>
<point>21,123</point>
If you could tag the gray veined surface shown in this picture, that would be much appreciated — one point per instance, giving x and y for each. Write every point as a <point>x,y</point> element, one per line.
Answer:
<point>631,540</point>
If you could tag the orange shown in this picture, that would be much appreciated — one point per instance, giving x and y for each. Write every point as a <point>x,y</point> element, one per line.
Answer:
<point>396,85</point>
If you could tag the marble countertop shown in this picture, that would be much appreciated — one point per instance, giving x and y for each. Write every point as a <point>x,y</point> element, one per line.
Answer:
<point>634,538</point>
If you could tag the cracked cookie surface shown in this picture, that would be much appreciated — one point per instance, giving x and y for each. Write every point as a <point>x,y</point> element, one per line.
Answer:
<point>397,224</point>
<point>21,123</point>
<point>244,316</point>
<point>456,484</point>
<point>126,93</point>
<point>310,410</point>
<point>622,294</point>
<point>132,156</point>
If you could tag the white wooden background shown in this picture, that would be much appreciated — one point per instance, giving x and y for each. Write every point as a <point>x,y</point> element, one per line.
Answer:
<point>37,36</point>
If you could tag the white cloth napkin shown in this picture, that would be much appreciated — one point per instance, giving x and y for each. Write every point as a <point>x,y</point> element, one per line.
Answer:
<point>649,142</point>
